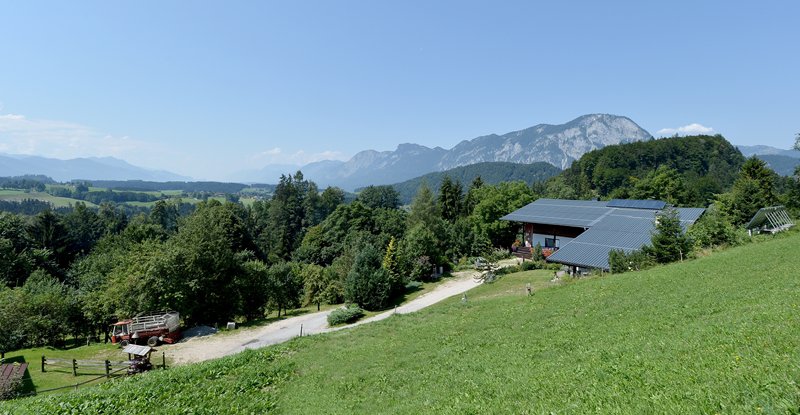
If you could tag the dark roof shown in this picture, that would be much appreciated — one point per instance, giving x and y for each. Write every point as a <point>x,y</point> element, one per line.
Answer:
<point>637,204</point>
<point>577,213</point>
<point>608,228</point>
<point>622,229</point>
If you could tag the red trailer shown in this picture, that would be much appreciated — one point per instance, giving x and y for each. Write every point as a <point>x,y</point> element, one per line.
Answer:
<point>150,328</point>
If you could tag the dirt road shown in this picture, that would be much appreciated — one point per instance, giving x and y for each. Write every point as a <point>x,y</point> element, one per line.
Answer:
<point>198,349</point>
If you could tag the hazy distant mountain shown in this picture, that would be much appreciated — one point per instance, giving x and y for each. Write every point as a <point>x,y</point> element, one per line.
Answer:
<point>558,145</point>
<point>748,151</point>
<point>268,174</point>
<point>90,168</point>
<point>490,173</point>
<point>782,165</point>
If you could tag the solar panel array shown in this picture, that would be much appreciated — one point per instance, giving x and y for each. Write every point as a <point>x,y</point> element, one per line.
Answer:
<point>626,226</point>
<point>622,229</point>
<point>637,204</point>
<point>577,213</point>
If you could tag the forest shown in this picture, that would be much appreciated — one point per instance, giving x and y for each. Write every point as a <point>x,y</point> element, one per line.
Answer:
<point>69,273</point>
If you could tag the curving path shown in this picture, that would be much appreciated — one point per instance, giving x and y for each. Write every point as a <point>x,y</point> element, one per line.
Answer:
<point>198,349</point>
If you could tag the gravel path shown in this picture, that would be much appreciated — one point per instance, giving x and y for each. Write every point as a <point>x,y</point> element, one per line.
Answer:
<point>198,349</point>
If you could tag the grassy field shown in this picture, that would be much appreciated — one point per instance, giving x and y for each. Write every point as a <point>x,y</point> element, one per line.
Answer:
<point>20,195</point>
<point>715,335</point>
<point>55,377</point>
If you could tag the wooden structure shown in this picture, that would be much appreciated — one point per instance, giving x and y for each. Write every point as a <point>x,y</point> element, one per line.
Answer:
<point>11,375</point>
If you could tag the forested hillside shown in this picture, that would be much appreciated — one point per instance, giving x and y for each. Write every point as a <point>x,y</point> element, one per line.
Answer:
<point>686,171</point>
<point>489,172</point>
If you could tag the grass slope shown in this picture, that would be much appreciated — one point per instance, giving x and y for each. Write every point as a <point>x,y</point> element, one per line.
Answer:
<point>714,335</point>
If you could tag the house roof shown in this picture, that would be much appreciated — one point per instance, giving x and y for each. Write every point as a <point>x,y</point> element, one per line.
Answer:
<point>607,228</point>
<point>577,213</point>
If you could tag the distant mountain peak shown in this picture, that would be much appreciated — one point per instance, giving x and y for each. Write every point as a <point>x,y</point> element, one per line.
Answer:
<point>558,145</point>
<point>85,168</point>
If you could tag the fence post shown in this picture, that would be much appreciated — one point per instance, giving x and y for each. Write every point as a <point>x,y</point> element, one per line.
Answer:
<point>74,367</point>
<point>43,361</point>
<point>301,330</point>
<point>108,369</point>
<point>163,361</point>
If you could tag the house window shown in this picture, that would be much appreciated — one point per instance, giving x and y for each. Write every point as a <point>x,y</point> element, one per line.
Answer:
<point>550,242</point>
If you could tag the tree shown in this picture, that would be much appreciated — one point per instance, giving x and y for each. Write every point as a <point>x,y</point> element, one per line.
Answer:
<point>450,199</point>
<point>379,197</point>
<point>330,199</point>
<point>752,190</point>
<point>421,251</point>
<point>797,142</point>
<point>316,284</point>
<point>496,202</point>
<point>286,286</point>
<point>423,208</point>
<point>664,183</point>
<point>287,216</point>
<point>368,284</point>
<point>165,215</point>
<point>471,199</point>
<point>713,229</point>
<point>390,261</point>
<point>669,242</point>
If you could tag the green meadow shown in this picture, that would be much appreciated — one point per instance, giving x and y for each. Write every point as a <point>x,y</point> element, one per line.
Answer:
<point>719,334</point>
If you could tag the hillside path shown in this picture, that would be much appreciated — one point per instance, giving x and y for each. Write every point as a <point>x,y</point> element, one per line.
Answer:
<point>198,349</point>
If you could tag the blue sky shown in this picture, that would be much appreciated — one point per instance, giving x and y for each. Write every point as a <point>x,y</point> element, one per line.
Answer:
<point>210,88</point>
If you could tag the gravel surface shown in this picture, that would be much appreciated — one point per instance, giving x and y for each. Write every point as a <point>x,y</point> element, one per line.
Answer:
<point>207,346</point>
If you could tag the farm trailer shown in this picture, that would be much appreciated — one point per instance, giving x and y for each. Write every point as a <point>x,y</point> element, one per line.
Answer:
<point>150,328</point>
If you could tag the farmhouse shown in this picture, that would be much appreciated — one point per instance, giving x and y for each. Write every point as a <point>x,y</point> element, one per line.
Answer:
<point>581,233</point>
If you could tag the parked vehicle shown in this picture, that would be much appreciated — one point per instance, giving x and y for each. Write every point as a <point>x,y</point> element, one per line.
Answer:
<point>149,328</point>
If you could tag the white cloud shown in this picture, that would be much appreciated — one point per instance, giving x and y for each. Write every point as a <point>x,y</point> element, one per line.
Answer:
<point>61,139</point>
<point>691,129</point>
<point>300,157</point>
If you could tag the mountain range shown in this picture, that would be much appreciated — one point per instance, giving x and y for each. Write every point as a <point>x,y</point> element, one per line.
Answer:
<point>490,172</point>
<point>89,168</point>
<point>558,145</point>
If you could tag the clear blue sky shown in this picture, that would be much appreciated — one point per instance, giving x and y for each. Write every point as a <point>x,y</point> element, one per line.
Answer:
<point>209,88</point>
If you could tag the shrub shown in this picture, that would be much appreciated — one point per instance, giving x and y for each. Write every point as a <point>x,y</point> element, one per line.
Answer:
<point>531,265</point>
<point>620,261</point>
<point>368,284</point>
<point>345,315</point>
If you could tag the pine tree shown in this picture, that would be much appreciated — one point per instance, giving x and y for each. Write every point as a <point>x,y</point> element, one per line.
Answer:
<point>669,242</point>
<point>390,263</point>
<point>450,199</point>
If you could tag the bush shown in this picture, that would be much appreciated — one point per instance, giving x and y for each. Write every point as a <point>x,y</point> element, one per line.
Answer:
<point>368,284</point>
<point>345,315</point>
<point>531,265</point>
<point>620,261</point>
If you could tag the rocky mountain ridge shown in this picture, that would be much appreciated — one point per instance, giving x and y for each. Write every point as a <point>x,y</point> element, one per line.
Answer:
<point>558,145</point>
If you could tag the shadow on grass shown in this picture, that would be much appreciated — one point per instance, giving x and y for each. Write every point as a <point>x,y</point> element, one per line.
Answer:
<point>267,320</point>
<point>27,383</point>
<point>411,289</point>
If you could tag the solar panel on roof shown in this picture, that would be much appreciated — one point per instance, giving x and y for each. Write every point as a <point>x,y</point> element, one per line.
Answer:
<point>637,204</point>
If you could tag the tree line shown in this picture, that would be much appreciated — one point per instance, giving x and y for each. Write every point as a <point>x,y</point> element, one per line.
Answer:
<point>72,273</point>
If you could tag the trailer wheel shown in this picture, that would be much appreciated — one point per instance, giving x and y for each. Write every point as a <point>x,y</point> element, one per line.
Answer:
<point>153,341</point>
<point>124,343</point>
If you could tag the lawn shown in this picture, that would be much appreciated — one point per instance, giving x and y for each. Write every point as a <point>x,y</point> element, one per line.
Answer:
<point>714,335</point>
<point>55,377</point>
<point>56,201</point>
